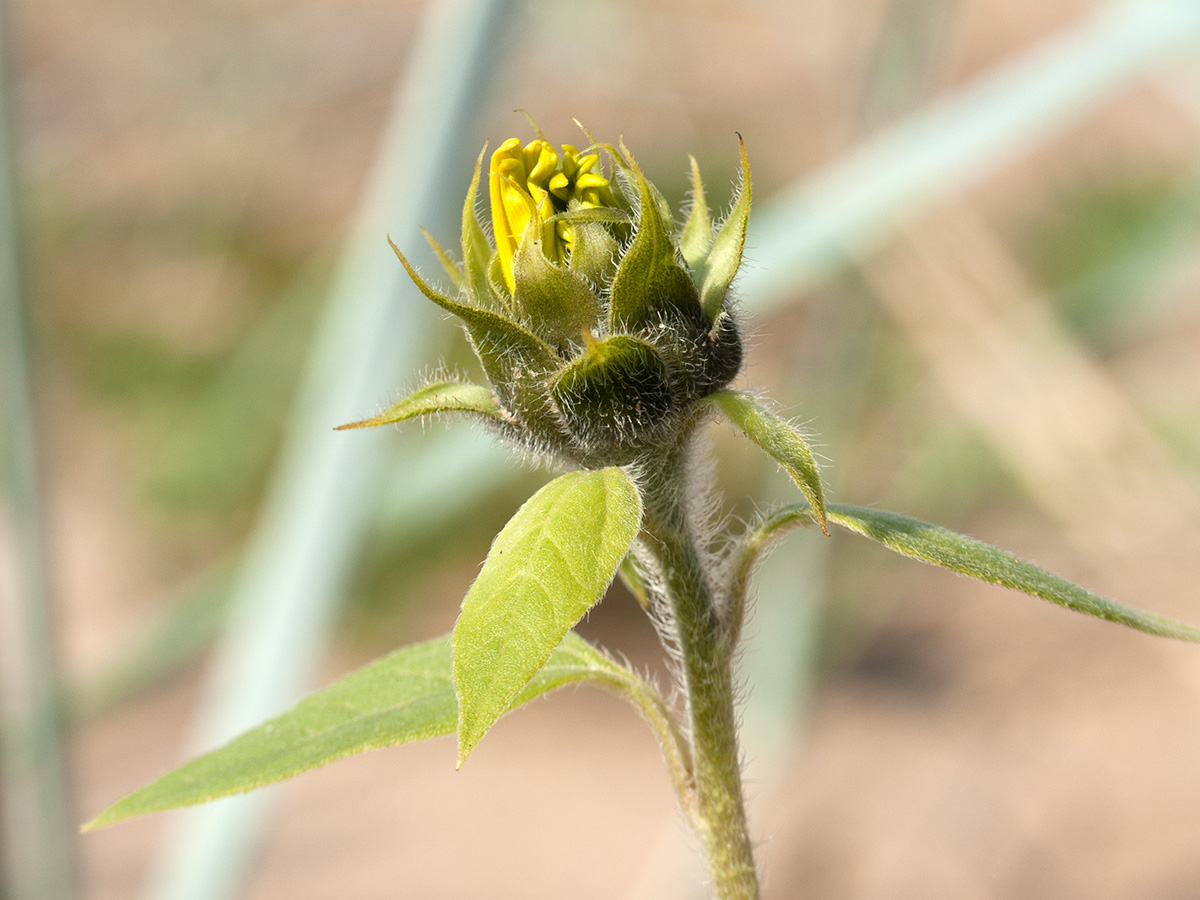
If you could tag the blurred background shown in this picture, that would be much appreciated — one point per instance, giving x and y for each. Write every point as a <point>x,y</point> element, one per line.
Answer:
<point>972,274</point>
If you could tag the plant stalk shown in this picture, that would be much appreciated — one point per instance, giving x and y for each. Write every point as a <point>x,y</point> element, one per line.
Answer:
<point>695,624</point>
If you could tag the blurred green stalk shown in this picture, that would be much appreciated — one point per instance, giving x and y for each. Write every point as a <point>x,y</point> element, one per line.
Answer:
<point>323,491</point>
<point>36,850</point>
<point>823,222</point>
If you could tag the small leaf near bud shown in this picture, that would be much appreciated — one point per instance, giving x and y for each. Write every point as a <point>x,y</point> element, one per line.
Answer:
<point>443,396</point>
<point>781,440</point>
<point>725,256</point>
<point>475,247</point>
<point>696,237</point>
<point>649,283</point>
<point>548,566</point>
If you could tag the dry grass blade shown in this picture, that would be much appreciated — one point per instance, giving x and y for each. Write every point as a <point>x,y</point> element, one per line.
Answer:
<point>35,850</point>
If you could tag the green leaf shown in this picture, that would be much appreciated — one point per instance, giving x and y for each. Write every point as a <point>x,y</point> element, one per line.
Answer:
<point>445,396</point>
<point>723,260</point>
<point>404,697</point>
<point>548,566</point>
<point>967,556</point>
<point>780,439</point>
<point>696,237</point>
<point>648,280</point>
<point>941,547</point>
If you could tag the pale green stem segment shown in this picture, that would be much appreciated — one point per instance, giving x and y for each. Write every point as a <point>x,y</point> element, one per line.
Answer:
<point>404,697</point>
<point>707,658</point>
<point>676,750</point>
<point>444,396</point>
<point>779,438</point>
<point>548,566</point>
<point>959,553</point>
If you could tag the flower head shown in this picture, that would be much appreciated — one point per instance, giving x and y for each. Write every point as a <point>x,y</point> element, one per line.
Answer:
<point>599,324</point>
<point>535,183</point>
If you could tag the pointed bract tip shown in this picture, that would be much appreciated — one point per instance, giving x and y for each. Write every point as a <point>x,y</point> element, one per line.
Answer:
<point>364,423</point>
<point>423,286</point>
<point>587,134</point>
<point>625,152</point>
<point>532,124</point>
<point>463,753</point>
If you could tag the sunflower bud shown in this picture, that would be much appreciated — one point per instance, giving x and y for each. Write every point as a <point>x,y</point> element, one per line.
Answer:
<point>530,185</point>
<point>599,323</point>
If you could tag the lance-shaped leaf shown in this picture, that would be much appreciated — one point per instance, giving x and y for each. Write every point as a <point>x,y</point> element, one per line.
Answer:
<point>780,439</point>
<point>548,566</point>
<point>557,303</point>
<point>723,260</point>
<point>967,556</point>
<point>499,342</point>
<point>696,237</point>
<point>648,280</point>
<point>404,697</point>
<point>941,547</point>
<point>445,396</point>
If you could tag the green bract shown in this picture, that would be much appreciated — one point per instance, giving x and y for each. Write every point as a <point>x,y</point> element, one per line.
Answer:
<point>597,355</point>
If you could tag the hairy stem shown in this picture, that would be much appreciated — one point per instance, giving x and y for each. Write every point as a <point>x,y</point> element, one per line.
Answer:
<point>670,535</point>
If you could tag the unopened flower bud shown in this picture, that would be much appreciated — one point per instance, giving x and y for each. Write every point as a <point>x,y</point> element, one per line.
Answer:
<point>599,323</point>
